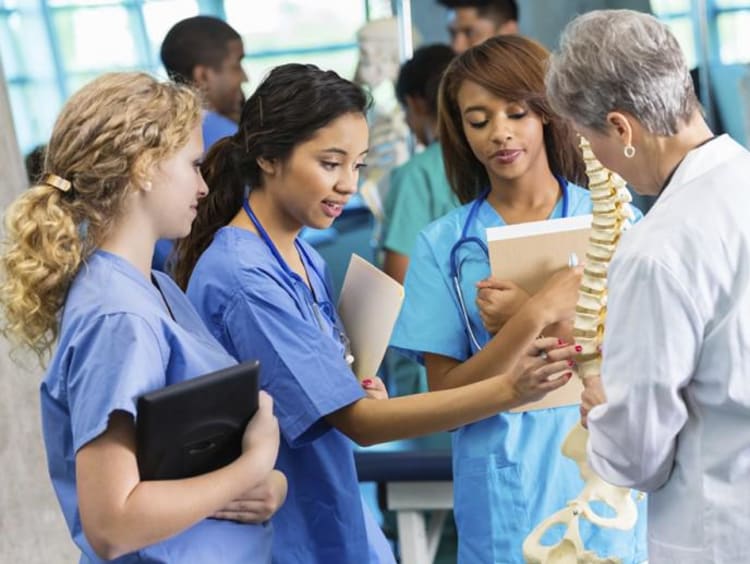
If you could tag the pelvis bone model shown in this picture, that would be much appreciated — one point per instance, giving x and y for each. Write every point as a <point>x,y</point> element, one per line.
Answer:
<point>612,214</point>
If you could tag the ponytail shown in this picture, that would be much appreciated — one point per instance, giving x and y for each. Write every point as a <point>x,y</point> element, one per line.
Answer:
<point>109,135</point>
<point>221,171</point>
<point>43,251</point>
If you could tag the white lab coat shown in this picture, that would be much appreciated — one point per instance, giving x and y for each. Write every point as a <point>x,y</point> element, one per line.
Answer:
<point>676,368</point>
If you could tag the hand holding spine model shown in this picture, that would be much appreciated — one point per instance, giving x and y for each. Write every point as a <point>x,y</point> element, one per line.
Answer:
<point>612,214</point>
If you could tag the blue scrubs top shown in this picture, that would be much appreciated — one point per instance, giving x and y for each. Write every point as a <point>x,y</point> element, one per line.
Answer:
<point>509,474</point>
<point>257,311</point>
<point>215,127</point>
<point>118,341</point>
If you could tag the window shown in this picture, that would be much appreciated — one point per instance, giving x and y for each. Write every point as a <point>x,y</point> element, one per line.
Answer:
<point>676,14</point>
<point>297,31</point>
<point>733,23</point>
<point>728,22</point>
<point>50,48</point>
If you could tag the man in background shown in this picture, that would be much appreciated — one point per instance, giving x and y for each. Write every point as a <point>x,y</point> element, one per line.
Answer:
<point>470,22</point>
<point>207,53</point>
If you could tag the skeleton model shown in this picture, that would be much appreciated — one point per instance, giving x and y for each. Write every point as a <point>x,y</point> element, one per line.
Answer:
<point>612,214</point>
<point>389,134</point>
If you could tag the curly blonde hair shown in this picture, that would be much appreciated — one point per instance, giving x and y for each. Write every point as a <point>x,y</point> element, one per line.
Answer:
<point>107,139</point>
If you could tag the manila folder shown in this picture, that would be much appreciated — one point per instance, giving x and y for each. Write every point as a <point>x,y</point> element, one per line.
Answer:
<point>528,254</point>
<point>369,305</point>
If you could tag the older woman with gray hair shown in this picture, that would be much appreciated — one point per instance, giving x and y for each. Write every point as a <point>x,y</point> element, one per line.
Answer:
<point>675,383</point>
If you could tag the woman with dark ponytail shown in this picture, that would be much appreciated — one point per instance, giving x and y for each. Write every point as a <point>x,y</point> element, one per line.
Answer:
<point>121,171</point>
<point>265,294</point>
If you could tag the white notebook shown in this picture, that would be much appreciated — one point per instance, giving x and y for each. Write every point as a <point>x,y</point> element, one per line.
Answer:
<point>369,305</point>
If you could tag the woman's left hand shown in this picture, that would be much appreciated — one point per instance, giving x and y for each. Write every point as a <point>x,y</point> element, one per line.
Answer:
<point>258,504</point>
<point>593,395</point>
<point>375,388</point>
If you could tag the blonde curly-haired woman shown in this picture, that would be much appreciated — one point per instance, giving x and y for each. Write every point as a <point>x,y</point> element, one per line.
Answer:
<point>122,171</point>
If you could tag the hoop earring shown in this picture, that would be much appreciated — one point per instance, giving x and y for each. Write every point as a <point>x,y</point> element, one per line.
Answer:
<point>629,151</point>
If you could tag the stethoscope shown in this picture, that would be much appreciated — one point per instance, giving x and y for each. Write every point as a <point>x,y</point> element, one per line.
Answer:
<point>455,267</point>
<point>314,304</point>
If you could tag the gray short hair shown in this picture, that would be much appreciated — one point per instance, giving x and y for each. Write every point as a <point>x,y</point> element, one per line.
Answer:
<point>623,60</point>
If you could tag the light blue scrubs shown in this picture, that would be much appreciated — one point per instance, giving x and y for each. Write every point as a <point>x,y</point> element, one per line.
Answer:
<point>258,311</point>
<point>508,471</point>
<point>216,126</point>
<point>118,341</point>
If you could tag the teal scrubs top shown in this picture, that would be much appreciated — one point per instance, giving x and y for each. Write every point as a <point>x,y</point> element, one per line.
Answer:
<point>509,473</point>
<point>118,341</point>
<point>419,193</point>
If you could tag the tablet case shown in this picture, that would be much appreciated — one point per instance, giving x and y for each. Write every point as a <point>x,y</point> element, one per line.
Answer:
<point>195,426</point>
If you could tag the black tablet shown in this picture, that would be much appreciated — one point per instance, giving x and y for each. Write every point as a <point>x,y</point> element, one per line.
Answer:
<point>195,426</point>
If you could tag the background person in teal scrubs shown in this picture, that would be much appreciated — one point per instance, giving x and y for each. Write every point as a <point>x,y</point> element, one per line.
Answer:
<point>122,171</point>
<point>419,191</point>
<point>509,159</point>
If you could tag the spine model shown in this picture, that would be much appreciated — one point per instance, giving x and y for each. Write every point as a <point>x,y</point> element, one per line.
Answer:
<point>611,215</point>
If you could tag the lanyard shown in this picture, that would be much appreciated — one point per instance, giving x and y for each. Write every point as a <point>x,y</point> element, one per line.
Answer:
<point>306,261</point>
<point>277,255</point>
<point>455,267</point>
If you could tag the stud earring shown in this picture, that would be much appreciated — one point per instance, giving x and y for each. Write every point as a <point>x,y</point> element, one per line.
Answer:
<point>629,151</point>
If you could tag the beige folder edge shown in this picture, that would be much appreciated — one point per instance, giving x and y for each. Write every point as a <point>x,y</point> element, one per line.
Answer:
<point>369,305</point>
<point>528,254</point>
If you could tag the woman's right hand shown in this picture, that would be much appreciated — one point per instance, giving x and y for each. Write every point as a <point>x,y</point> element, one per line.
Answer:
<point>498,301</point>
<point>530,377</point>
<point>557,299</point>
<point>261,437</point>
<point>258,504</point>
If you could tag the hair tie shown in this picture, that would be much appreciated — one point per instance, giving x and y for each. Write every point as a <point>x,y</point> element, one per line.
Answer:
<point>57,182</point>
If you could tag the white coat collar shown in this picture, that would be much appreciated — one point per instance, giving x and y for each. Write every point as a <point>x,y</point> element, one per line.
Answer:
<point>704,158</point>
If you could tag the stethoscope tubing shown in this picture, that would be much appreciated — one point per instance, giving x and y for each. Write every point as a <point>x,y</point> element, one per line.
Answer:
<point>464,239</point>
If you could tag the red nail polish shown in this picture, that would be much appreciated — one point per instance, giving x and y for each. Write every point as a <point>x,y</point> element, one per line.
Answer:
<point>568,375</point>
<point>367,382</point>
<point>571,363</point>
<point>579,348</point>
<point>560,342</point>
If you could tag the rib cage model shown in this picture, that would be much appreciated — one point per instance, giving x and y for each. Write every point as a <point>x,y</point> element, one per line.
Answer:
<point>612,214</point>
